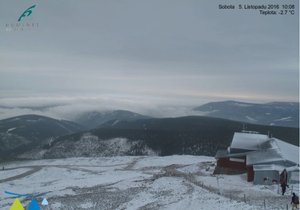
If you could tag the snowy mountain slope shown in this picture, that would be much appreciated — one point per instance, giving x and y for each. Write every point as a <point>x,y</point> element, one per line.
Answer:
<point>275,113</point>
<point>172,182</point>
<point>91,146</point>
<point>20,133</point>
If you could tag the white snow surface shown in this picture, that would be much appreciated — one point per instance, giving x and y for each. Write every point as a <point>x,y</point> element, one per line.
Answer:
<point>243,104</point>
<point>248,141</point>
<point>288,151</point>
<point>10,129</point>
<point>284,119</point>
<point>143,182</point>
<point>251,119</point>
<point>278,151</point>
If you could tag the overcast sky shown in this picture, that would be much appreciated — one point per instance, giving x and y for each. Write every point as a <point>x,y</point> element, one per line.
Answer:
<point>145,55</point>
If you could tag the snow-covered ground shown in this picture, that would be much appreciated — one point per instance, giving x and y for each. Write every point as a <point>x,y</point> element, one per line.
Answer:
<point>173,182</point>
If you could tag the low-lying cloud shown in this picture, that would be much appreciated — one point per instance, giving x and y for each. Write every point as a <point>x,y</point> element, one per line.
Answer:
<point>70,107</point>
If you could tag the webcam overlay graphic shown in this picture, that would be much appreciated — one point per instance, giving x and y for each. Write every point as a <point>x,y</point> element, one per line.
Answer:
<point>27,13</point>
<point>33,205</point>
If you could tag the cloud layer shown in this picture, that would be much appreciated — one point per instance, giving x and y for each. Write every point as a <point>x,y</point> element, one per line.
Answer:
<point>137,54</point>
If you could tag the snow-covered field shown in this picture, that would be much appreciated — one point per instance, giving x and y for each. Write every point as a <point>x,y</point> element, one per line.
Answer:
<point>173,182</point>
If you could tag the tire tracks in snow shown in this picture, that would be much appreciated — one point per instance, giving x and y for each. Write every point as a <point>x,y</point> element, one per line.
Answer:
<point>33,170</point>
<point>36,168</point>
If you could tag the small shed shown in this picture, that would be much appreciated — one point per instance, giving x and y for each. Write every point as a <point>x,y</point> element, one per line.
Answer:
<point>293,174</point>
<point>267,174</point>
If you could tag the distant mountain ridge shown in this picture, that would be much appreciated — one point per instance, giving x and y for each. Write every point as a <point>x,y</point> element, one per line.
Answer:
<point>24,132</point>
<point>123,132</point>
<point>274,113</point>
<point>193,135</point>
<point>95,119</point>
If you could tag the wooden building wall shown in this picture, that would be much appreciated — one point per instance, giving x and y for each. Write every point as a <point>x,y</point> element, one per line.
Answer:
<point>232,163</point>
